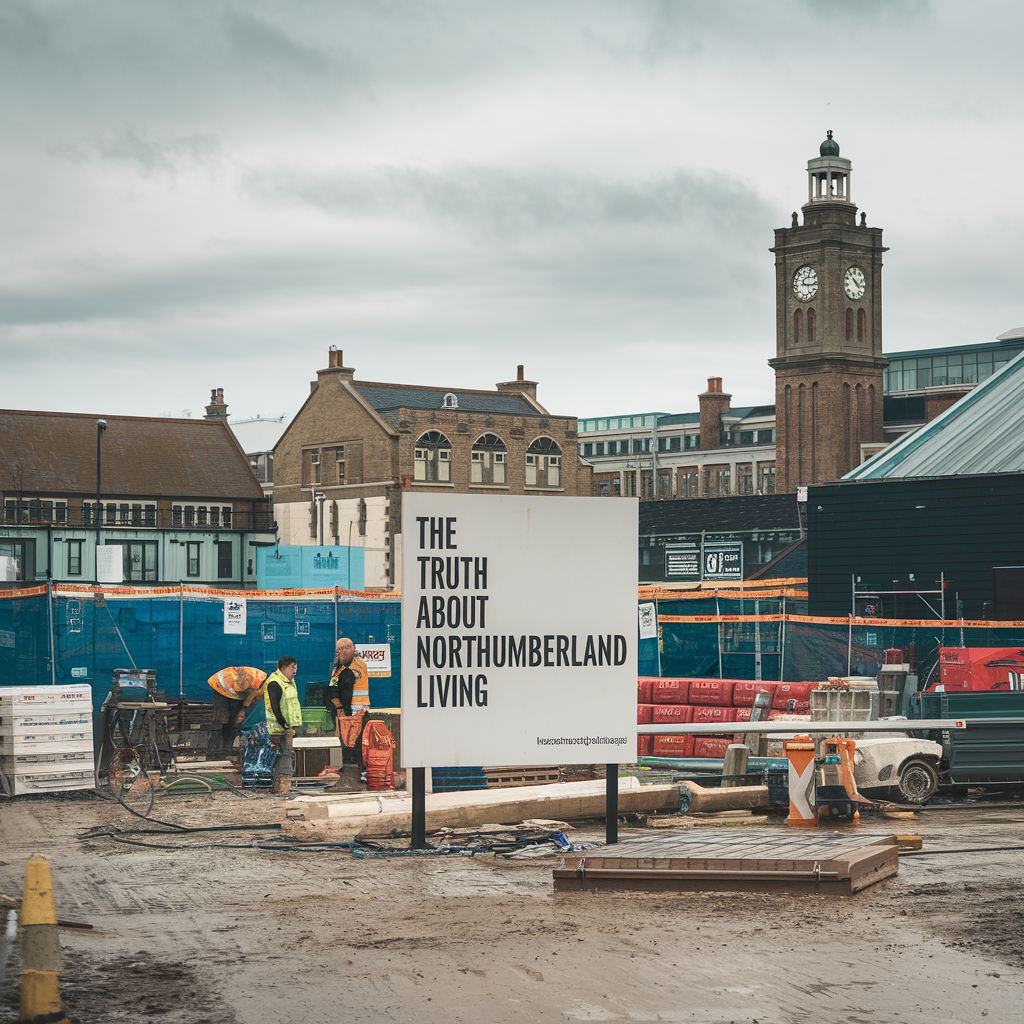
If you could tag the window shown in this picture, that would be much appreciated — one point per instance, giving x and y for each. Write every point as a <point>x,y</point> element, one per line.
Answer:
<point>630,485</point>
<point>214,515</point>
<point>190,515</point>
<point>588,449</point>
<point>24,554</point>
<point>798,326</point>
<point>767,484</point>
<point>849,324</point>
<point>641,445</point>
<point>646,485</point>
<point>862,320</point>
<point>488,460</point>
<point>616,487</point>
<point>716,481</point>
<point>664,483</point>
<point>136,515</point>
<point>687,483</point>
<point>192,559</point>
<point>225,516</point>
<point>140,561</point>
<point>669,444</point>
<point>224,560</point>
<point>810,326</point>
<point>150,516</point>
<point>693,441</point>
<point>176,515</point>
<point>433,458</point>
<point>746,437</point>
<point>74,558</point>
<point>450,402</point>
<point>745,479</point>
<point>765,436</point>
<point>339,461</point>
<point>543,464</point>
<point>314,458</point>
<point>201,515</point>
<point>263,466</point>
<point>603,488</point>
<point>10,511</point>
<point>111,511</point>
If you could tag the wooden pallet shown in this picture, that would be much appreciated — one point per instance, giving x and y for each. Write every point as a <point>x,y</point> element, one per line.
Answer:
<point>528,775</point>
<point>738,860</point>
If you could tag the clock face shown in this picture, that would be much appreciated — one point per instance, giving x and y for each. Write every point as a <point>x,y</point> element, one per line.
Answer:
<point>805,283</point>
<point>854,283</point>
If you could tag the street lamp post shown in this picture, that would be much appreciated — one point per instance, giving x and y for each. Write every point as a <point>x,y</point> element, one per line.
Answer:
<point>101,425</point>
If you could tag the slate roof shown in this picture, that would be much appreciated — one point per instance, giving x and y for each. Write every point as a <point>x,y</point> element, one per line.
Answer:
<point>45,453</point>
<point>982,433</point>
<point>736,514</point>
<point>388,399</point>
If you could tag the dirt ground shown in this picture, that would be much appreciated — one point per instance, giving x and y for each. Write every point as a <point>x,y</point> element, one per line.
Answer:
<point>193,932</point>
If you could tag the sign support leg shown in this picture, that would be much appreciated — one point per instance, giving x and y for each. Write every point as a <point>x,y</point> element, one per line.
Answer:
<point>419,809</point>
<point>611,804</point>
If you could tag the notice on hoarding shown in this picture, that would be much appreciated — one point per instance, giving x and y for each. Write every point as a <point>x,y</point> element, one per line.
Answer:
<point>234,615</point>
<point>682,561</point>
<point>648,621</point>
<point>519,630</point>
<point>377,658</point>
<point>109,563</point>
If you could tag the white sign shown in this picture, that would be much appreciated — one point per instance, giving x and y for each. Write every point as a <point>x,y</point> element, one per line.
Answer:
<point>377,658</point>
<point>648,621</point>
<point>234,615</point>
<point>8,568</point>
<point>109,563</point>
<point>6,637</point>
<point>79,672</point>
<point>518,630</point>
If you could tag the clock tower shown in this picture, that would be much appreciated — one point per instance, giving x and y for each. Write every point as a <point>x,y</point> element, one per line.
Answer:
<point>828,300</point>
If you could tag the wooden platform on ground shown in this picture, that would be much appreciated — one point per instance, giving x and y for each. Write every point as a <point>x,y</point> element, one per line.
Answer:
<point>736,860</point>
<point>532,775</point>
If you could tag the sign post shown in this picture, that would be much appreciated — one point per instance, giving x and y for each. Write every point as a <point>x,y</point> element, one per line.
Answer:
<point>519,633</point>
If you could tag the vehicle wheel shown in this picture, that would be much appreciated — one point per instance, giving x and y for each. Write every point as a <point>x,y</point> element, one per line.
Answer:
<point>918,781</point>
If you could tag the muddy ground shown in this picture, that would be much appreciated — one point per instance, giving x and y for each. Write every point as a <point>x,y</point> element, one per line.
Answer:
<point>193,932</point>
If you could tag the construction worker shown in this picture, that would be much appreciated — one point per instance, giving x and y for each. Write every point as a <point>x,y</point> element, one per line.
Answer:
<point>235,691</point>
<point>348,696</point>
<point>281,697</point>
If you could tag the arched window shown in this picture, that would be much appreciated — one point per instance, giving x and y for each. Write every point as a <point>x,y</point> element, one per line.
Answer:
<point>543,464</point>
<point>488,465</point>
<point>849,324</point>
<point>450,402</point>
<point>810,325</point>
<point>862,323</point>
<point>798,325</point>
<point>433,461</point>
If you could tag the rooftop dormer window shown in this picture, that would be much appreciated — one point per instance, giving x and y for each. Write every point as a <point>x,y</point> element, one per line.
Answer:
<point>450,402</point>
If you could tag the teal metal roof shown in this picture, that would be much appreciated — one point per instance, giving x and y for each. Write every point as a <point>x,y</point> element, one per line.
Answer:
<point>679,418</point>
<point>998,345</point>
<point>982,433</point>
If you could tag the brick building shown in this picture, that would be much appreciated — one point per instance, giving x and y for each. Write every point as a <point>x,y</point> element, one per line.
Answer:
<point>177,495</point>
<point>355,446</point>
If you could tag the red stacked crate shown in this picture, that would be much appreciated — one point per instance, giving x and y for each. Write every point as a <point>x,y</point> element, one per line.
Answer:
<point>744,692</point>
<point>673,746</point>
<point>713,692</point>
<point>671,691</point>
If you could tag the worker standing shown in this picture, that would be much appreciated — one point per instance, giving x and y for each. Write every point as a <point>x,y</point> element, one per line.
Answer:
<point>348,696</point>
<point>281,697</point>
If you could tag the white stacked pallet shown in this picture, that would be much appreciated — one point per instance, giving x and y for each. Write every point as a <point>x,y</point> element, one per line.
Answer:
<point>46,738</point>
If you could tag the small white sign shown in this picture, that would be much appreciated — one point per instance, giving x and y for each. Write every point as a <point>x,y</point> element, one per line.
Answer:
<point>109,563</point>
<point>6,637</point>
<point>518,630</point>
<point>801,494</point>
<point>377,658</point>
<point>79,672</point>
<point>648,621</point>
<point>8,568</point>
<point>234,615</point>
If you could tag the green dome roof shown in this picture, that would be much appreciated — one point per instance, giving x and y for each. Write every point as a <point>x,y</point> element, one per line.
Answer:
<point>829,147</point>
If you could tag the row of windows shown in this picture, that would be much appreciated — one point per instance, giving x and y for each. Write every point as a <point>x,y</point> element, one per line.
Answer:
<point>432,460</point>
<point>112,513</point>
<point>935,371</point>
<point>619,422</point>
<point>718,482</point>
<point>687,442</point>
<point>139,558</point>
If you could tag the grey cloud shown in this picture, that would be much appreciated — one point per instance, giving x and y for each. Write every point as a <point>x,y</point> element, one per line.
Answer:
<point>507,203</point>
<point>145,154</point>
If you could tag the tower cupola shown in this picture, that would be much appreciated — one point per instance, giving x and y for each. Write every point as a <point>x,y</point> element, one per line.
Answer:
<point>828,175</point>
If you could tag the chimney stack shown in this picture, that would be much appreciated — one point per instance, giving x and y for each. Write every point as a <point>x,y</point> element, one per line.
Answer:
<point>335,365</point>
<point>217,409</point>
<point>713,403</point>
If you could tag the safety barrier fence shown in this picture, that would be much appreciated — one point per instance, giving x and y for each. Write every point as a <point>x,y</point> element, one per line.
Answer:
<point>63,633</point>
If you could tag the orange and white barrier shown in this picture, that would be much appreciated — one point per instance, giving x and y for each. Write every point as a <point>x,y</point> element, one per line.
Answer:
<point>800,754</point>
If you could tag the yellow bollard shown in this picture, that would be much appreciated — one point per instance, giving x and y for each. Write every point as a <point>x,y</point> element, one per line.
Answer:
<point>40,948</point>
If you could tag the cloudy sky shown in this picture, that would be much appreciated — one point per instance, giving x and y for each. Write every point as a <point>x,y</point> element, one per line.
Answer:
<point>200,194</point>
